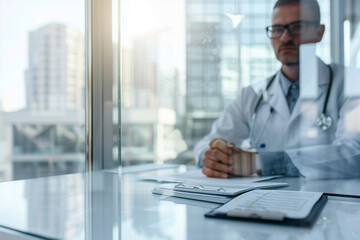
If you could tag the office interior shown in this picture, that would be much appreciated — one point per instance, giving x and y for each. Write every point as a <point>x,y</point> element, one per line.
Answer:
<point>95,94</point>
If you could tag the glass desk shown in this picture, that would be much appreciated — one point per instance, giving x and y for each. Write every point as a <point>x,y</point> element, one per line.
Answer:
<point>332,187</point>
<point>103,205</point>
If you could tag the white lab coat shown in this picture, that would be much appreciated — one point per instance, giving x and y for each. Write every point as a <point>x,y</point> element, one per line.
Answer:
<point>317,154</point>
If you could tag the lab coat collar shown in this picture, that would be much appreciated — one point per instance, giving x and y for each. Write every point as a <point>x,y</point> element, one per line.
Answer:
<point>275,96</point>
<point>323,74</point>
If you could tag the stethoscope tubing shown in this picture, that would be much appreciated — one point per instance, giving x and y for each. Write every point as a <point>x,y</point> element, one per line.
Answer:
<point>272,110</point>
<point>328,90</point>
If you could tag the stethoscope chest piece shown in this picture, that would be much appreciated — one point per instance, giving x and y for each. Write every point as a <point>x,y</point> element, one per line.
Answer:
<point>324,122</point>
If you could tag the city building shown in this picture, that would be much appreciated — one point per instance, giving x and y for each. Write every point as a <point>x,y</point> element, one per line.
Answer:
<point>48,136</point>
<point>55,75</point>
<point>150,100</point>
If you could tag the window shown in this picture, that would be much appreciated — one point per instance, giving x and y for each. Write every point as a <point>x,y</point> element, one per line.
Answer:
<point>41,111</point>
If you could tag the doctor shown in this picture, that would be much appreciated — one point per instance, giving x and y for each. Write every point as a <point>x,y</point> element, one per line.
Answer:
<point>293,135</point>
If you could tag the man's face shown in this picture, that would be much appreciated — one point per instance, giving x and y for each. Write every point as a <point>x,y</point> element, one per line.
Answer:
<point>287,47</point>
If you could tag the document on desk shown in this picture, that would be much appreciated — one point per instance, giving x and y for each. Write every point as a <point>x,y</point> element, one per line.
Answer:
<point>197,177</point>
<point>275,205</point>
<point>170,189</point>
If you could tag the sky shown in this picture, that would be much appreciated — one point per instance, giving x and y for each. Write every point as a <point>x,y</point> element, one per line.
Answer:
<point>17,19</point>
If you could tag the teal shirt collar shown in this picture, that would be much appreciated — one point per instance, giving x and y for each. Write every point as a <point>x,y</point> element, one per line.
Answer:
<point>286,83</point>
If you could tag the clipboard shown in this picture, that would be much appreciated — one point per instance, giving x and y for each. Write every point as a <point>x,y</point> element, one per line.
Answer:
<point>193,196</point>
<point>209,193</point>
<point>222,191</point>
<point>199,192</point>
<point>274,217</point>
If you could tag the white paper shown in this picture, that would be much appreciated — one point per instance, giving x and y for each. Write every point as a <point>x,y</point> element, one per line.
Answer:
<point>197,177</point>
<point>293,204</point>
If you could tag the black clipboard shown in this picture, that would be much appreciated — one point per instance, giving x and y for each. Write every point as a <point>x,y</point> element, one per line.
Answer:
<point>305,222</point>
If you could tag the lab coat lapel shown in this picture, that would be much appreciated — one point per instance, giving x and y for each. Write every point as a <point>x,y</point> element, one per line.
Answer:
<point>323,82</point>
<point>276,98</point>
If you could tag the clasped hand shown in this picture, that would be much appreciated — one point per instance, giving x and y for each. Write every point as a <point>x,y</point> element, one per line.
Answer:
<point>224,159</point>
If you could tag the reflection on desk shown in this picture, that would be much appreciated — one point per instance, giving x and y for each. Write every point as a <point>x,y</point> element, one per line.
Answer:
<point>62,207</point>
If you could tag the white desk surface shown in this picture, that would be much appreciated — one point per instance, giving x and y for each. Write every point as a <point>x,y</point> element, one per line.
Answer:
<point>333,187</point>
<point>77,206</point>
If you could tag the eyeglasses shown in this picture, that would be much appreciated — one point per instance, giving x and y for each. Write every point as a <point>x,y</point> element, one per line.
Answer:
<point>294,28</point>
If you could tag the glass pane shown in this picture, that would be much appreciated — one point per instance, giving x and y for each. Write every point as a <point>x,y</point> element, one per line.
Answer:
<point>195,71</point>
<point>198,75</point>
<point>226,50</point>
<point>42,79</point>
<point>153,84</point>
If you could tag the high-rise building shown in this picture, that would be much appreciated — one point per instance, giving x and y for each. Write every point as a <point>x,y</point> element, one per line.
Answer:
<point>212,64</point>
<point>154,75</point>
<point>149,94</point>
<point>48,136</point>
<point>55,76</point>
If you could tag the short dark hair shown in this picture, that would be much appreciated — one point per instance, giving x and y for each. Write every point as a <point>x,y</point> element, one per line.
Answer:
<point>314,6</point>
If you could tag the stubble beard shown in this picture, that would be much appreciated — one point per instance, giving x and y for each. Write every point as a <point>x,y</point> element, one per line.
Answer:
<point>291,63</point>
<point>284,60</point>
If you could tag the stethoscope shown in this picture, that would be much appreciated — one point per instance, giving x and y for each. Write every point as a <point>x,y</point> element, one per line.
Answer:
<point>324,122</point>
